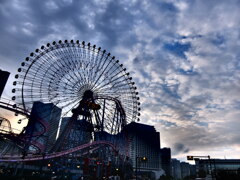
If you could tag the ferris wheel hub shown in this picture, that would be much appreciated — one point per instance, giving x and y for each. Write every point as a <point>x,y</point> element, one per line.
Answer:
<point>88,94</point>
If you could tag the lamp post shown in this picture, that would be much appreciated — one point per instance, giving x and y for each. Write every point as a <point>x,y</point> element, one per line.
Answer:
<point>139,160</point>
<point>136,162</point>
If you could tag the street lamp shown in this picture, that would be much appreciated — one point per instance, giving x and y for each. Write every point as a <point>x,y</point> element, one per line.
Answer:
<point>144,159</point>
<point>190,158</point>
<point>140,159</point>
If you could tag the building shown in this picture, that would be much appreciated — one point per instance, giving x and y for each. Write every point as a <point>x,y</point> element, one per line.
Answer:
<point>144,141</point>
<point>176,169</point>
<point>63,124</point>
<point>43,125</point>
<point>192,170</point>
<point>79,133</point>
<point>165,154</point>
<point>3,80</point>
<point>185,169</point>
<point>218,167</point>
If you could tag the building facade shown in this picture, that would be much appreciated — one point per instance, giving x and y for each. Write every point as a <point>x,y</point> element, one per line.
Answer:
<point>218,167</point>
<point>79,133</point>
<point>165,155</point>
<point>3,80</point>
<point>144,141</point>
<point>176,169</point>
<point>43,125</point>
<point>185,169</point>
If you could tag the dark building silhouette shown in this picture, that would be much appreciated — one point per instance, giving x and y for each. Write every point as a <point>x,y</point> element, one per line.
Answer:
<point>185,169</point>
<point>176,169</point>
<point>192,170</point>
<point>63,124</point>
<point>165,154</point>
<point>218,168</point>
<point>3,80</point>
<point>144,141</point>
<point>43,125</point>
<point>79,134</point>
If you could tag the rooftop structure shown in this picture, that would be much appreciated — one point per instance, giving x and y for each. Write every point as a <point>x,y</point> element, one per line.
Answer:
<point>3,80</point>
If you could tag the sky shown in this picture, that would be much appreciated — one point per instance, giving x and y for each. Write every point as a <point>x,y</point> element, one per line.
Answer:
<point>182,54</point>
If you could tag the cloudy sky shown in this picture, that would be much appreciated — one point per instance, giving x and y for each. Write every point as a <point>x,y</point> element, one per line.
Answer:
<point>183,55</point>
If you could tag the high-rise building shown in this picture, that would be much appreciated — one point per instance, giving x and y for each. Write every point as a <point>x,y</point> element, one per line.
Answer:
<point>43,125</point>
<point>3,80</point>
<point>165,154</point>
<point>144,141</point>
<point>176,169</point>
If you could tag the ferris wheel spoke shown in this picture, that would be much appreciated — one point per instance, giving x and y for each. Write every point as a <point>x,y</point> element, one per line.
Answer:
<point>65,84</point>
<point>108,75</point>
<point>98,63</point>
<point>86,64</point>
<point>39,74</point>
<point>78,80</point>
<point>78,62</point>
<point>62,72</point>
<point>38,70</point>
<point>81,67</point>
<point>94,59</point>
<point>121,86</point>
<point>103,69</point>
<point>113,94</point>
<point>78,74</point>
<point>69,79</point>
<point>111,81</point>
<point>90,55</point>
<point>99,67</point>
<point>70,106</point>
<point>71,71</point>
<point>31,79</point>
<point>45,64</point>
<point>64,99</point>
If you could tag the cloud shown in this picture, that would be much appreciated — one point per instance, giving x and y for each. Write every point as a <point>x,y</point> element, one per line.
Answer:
<point>179,147</point>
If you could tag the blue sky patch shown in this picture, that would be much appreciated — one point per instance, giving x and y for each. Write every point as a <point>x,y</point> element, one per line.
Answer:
<point>177,48</point>
<point>187,72</point>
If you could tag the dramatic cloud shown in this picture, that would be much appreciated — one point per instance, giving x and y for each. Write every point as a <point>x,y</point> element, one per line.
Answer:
<point>183,55</point>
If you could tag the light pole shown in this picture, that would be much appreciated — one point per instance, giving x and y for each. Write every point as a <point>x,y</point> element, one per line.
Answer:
<point>140,159</point>
<point>136,162</point>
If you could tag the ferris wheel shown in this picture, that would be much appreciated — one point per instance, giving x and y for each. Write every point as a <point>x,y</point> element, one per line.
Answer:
<point>63,73</point>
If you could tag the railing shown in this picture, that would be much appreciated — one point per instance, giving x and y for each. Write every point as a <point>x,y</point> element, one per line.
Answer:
<point>56,154</point>
<point>10,105</point>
